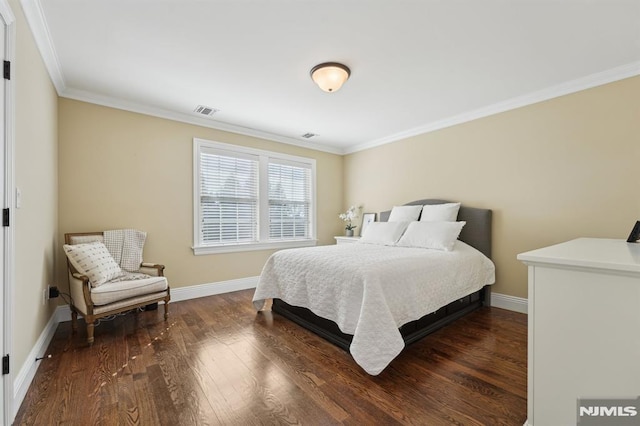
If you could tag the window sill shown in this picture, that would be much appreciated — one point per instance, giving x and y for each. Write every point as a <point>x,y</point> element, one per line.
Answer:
<point>235,248</point>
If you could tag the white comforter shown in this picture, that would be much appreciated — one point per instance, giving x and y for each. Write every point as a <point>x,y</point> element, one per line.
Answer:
<point>371,290</point>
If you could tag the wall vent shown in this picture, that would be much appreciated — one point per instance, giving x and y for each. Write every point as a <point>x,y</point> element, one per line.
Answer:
<point>309,135</point>
<point>205,110</point>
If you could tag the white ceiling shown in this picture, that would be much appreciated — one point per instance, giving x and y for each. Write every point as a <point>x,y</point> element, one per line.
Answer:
<point>415,66</point>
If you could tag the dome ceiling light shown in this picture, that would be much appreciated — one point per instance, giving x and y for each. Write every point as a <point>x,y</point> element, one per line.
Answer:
<point>330,76</point>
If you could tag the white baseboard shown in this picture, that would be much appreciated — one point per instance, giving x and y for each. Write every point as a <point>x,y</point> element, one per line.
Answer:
<point>28,370</point>
<point>511,303</point>
<point>180,294</point>
<point>211,289</point>
<point>63,313</point>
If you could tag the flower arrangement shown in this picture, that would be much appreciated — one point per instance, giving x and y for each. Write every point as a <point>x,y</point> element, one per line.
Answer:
<point>349,216</point>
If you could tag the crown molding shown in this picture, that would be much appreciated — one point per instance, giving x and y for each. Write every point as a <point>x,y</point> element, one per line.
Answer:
<point>35,18</point>
<point>583,83</point>
<point>573,86</point>
<point>6,13</point>
<point>118,103</point>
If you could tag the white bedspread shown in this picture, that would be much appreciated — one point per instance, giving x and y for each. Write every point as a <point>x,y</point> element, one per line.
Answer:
<point>371,290</point>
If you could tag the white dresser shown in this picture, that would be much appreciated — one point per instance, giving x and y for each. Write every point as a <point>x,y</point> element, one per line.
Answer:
<point>584,326</point>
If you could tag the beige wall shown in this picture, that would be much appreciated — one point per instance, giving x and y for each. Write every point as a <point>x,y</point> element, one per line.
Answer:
<point>556,170</point>
<point>36,222</point>
<point>124,170</point>
<point>551,171</point>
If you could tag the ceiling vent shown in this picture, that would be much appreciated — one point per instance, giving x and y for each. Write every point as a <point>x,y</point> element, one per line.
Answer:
<point>309,135</point>
<point>205,110</point>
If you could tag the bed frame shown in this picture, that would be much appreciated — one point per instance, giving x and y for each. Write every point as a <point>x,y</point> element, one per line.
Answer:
<point>476,233</point>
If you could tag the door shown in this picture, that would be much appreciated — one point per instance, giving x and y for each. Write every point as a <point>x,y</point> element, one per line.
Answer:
<point>7,39</point>
<point>6,204</point>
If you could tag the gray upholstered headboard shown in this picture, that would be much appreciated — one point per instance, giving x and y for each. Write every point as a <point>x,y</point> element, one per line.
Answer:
<point>477,231</point>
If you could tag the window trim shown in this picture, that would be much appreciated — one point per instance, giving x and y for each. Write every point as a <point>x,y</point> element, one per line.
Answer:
<point>263,201</point>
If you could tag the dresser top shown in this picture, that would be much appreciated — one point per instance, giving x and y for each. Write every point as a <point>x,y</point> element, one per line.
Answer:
<point>599,253</point>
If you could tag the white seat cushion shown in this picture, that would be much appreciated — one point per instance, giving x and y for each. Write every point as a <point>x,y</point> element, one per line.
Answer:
<point>111,292</point>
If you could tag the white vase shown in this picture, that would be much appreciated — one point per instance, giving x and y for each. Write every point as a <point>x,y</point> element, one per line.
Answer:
<point>349,232</point>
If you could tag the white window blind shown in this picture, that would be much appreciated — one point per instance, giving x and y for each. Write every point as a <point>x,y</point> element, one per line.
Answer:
<point>289,200</point>
<point>228,197</point>
<point>250,199</point>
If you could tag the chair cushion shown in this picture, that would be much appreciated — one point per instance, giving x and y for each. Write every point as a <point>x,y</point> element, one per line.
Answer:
<point>94,261</point>
<point>119,290</point>
<point>125,305</point>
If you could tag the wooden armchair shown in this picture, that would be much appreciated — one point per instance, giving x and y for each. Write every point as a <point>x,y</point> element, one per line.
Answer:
<point>95,302</point>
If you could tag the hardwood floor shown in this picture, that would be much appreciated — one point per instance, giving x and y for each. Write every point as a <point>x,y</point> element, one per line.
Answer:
<point>215,361</point>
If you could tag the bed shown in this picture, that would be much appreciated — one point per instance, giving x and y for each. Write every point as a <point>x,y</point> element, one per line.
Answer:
<point>373,300</point>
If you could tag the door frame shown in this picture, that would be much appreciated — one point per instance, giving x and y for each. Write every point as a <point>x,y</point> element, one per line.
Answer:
<point>7,283</point>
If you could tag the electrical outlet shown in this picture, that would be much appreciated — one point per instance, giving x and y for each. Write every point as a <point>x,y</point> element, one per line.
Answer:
<point>53,292</point>
<point>50,292</point>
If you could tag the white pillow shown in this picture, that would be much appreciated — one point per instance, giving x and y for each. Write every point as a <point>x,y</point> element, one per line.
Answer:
<point>94,261</point>
<point>385,233</point>
<point>404,213</point>
<point>431,235</point>
<point>447,212</point>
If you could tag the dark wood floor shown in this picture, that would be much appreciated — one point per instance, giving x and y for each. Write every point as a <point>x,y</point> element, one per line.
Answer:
<point>215,361</point>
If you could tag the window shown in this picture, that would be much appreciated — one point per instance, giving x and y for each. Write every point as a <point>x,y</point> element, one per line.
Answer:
<point>248,199</point>
<point>289,200</point>
<point>228,197</point>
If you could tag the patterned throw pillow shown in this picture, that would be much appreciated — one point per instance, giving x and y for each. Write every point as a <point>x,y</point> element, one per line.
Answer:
<point>94,261</point>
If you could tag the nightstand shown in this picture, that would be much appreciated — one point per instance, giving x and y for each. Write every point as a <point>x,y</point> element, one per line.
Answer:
<point>346,240</point>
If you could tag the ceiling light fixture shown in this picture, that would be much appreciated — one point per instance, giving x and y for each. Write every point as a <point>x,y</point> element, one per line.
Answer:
<point>330,76</point>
